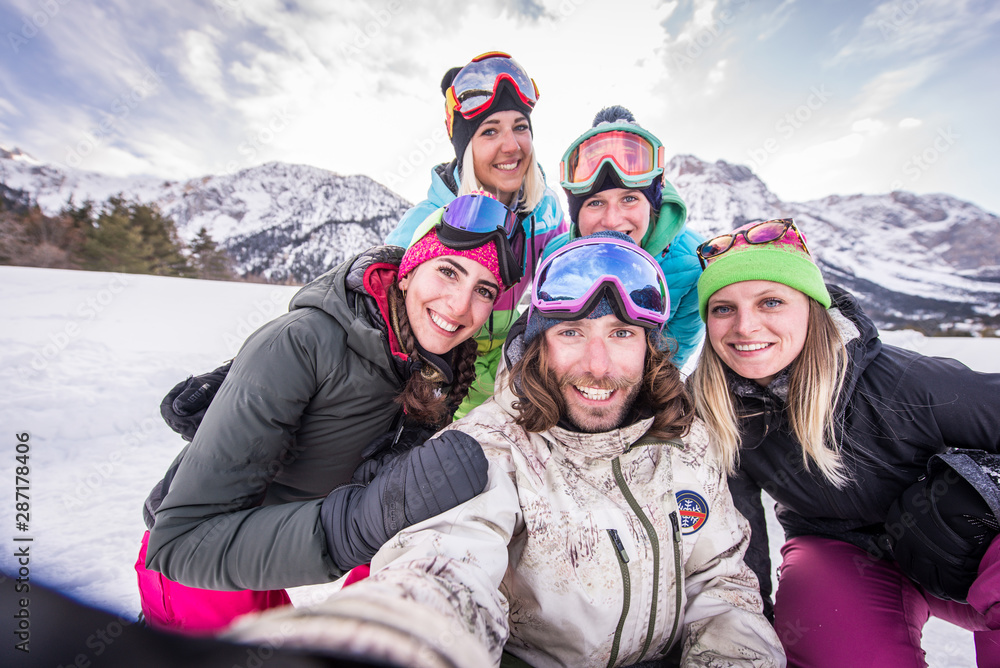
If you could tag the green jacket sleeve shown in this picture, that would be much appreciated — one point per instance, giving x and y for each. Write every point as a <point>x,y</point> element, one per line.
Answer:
<point>685,326</point>
<point>211,530</point>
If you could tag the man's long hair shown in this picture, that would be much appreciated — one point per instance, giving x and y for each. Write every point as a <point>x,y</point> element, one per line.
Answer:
<point>540,403</point>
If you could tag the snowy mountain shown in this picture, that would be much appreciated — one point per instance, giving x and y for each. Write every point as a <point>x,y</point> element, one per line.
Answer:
<point>929,261</point>
<point>277,220</point>
<point>924,260</point>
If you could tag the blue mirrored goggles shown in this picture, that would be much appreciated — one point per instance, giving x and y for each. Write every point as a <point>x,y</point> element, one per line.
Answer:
<point>479,214</point>
<point>473,220</point>
<point>572,281</point>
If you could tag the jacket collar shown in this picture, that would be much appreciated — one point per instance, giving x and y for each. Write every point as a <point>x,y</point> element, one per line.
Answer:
<point>599,446</point>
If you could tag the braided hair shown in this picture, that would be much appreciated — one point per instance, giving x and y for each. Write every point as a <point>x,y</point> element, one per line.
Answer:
<point>421,397</point>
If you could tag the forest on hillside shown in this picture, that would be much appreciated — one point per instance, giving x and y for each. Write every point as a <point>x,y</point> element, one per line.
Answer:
<point>118,235</point>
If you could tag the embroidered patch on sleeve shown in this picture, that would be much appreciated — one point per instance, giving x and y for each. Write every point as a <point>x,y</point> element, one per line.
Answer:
<point>693,511</point>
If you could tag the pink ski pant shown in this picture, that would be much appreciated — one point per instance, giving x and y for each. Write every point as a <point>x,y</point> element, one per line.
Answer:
<point>836,606</point>
<point>170,606</point>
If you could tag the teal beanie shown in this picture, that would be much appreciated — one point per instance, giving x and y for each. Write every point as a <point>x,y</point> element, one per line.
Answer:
<point>781,263</point>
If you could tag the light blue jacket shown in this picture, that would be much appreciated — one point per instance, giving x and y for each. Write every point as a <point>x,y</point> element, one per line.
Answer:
<point>673,245</point>
<point>540,228</point>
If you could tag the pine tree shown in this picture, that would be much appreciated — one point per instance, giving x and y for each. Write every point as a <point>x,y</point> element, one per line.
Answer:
<point>133,238</point>
<point>210,262</point>
<point>113,243</point>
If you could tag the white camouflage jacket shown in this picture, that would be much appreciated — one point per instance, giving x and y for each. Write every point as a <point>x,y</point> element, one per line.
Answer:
<point>573,554</point>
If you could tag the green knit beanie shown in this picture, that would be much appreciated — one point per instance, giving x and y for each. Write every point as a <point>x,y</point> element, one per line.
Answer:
<point>778,261</point>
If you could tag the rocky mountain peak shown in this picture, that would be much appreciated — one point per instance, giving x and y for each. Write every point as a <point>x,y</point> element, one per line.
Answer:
<point>930,261</point>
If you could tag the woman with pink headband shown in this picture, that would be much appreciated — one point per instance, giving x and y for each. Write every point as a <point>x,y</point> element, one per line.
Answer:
<point>372,358</point>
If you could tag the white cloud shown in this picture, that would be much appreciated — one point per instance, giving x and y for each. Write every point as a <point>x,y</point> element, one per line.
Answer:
<point>201,64</point>
<point>776,20</point>
<point>908,123</point>
<point>355,88</point>
<point>92,47</point>
<point>840,149</point>
<point>7,108</point>
<point>868,126</point>
<point>886,88</point>
<point>917,27</point>
<point>718,72</point>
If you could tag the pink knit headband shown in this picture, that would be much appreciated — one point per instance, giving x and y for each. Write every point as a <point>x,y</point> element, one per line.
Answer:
<point>430,247</point>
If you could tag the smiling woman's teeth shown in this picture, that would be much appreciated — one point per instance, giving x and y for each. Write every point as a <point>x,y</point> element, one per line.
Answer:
<point>594,393</point>
<point>506,166</point>
<point>447,326</point>
<point>748,347</point>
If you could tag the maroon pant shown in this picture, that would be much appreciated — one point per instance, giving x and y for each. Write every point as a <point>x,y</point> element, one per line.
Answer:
<point>836,606</point>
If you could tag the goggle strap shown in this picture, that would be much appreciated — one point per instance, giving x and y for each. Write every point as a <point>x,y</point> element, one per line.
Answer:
<point>510,268</point>
<point>451,104</point>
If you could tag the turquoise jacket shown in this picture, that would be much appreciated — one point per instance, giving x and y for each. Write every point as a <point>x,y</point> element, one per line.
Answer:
<point>540,228</point>
<point>674,246</point>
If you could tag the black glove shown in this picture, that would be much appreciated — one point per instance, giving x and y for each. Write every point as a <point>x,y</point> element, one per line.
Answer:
<point>184,406</point>
<point>939,530</point>
<point>387,447</point>
<point>423,482</point>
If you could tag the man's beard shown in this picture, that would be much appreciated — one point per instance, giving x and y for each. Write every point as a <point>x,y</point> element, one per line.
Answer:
<point>595,419</point>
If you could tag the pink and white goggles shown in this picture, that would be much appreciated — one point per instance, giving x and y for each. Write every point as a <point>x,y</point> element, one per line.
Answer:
<point>572,281</point>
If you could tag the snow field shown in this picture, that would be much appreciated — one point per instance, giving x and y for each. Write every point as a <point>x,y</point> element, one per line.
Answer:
<point>86,357</point>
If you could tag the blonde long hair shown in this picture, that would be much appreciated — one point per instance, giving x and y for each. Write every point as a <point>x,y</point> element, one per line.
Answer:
<point>816,381</point>
<point>534,182</point>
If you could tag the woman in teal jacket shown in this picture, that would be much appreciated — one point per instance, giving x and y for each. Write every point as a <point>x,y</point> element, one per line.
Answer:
<point>613,178</point>
<point>488,105</point>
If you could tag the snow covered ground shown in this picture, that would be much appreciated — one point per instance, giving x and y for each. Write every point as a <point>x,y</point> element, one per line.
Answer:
<point>85,359</point>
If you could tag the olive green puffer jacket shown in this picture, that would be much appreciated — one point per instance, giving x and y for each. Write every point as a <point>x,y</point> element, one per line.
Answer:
<point>306,393</point>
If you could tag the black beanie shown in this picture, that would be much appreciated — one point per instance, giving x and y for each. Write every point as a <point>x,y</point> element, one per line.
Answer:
<point>653,192</point>
<point>462,129</point>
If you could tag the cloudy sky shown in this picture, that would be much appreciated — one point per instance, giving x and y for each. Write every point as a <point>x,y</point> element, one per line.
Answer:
<point>816,96</point>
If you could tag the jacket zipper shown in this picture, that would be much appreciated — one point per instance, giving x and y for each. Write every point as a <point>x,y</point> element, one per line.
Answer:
<point>616,468</point>
<point>626,597</point>
<point>678,578</point>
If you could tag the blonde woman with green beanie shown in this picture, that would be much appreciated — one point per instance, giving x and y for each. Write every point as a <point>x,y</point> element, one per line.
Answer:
<point>886,523</point>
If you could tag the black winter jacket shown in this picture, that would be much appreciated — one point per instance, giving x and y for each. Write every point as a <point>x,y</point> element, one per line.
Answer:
<point>306,393</point>
<point>897,409</point>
